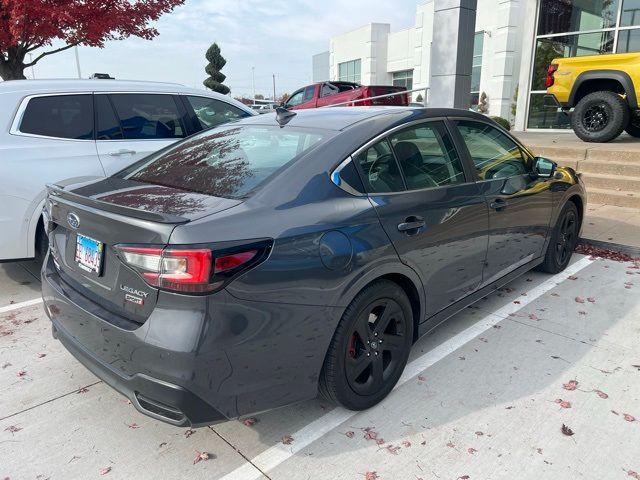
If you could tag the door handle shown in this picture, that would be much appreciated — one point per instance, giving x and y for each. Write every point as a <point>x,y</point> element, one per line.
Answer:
<point>122,151</point>
<point>498,204</point>
<point>411,225</point>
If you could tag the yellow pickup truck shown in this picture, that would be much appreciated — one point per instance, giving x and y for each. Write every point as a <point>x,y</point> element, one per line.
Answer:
<point>602,90</point>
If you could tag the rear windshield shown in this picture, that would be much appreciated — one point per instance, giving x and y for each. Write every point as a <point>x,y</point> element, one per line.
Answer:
<point>225,162</point>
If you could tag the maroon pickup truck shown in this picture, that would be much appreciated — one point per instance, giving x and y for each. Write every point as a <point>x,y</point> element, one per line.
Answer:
<point>331,93</point>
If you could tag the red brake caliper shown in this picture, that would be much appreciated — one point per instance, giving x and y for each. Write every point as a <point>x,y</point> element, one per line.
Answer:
<point>352,346</point>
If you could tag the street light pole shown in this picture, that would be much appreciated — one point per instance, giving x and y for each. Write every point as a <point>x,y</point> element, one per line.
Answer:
<point>77,61</point>
<point>253,83</point>
<point>274,87</point>
<point>33,73</point>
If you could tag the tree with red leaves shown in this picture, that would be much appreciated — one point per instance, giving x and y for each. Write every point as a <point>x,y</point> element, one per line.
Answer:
<point>27,25</point>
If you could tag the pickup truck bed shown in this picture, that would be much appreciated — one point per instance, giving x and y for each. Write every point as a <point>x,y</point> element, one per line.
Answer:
<point>332,93</point>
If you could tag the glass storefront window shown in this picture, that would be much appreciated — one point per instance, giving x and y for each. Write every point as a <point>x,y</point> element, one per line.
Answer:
<point>560,16</point>
<point>403,78</point>
<point>476,68</point>
<point>567,46</point>
<point>630,13</point>
<point>545,117</point>
<point>629,41</point>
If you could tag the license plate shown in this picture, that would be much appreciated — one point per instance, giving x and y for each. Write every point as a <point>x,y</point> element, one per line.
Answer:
<point>89,253</point>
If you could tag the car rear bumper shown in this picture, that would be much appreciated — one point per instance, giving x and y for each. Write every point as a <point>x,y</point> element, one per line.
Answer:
<point>196,360</point>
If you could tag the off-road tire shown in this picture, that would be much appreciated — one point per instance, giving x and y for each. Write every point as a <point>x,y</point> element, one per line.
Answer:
<point>553,261</point>
<point>633,128</point>
<point>600,117</point>
<point>334,384</point>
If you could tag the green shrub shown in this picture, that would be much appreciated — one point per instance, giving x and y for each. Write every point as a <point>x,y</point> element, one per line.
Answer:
<point>503,122</point>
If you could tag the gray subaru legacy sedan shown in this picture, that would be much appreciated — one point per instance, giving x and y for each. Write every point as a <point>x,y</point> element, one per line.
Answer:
<point>261,262</point>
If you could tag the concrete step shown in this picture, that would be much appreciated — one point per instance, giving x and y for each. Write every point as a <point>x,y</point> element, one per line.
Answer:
<point>614,154</point>
<point>623,168</point>
<point>614,182</point>
<point>611,197</point>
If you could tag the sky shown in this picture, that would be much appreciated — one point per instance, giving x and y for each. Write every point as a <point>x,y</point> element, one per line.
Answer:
<point>275,37</point>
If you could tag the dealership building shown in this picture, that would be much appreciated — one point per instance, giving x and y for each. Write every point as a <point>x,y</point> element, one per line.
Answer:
<point>514,42</point>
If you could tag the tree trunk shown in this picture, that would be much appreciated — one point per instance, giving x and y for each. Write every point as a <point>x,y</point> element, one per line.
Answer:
<point>13,67</point>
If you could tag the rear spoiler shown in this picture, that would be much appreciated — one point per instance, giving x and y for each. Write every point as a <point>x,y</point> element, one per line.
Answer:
<point>59,193</point>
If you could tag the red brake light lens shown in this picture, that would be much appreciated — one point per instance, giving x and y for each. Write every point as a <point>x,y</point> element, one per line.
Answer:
<point>229,262</point>
<point>550,71</point>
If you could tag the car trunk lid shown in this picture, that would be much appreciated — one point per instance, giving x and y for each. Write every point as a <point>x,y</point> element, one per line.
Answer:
<point>85,222</point>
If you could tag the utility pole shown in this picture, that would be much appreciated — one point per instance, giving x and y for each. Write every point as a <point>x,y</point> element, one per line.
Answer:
<point>77,61</point>
<point>274,88</point>
<point>253,83</point>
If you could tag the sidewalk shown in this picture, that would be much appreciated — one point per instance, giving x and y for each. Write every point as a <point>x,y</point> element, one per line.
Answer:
<point>612,224</point>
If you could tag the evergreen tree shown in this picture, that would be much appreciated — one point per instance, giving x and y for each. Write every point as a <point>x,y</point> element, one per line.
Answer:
<point>216,77</point>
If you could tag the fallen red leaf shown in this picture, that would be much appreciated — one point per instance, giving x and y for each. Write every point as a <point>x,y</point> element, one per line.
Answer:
<point>479,433</point>
<point>562,403</point>
<point>371,476</point>
<point>464,477</point>
<point>287,440</point>
<point>570,385</point>
<point>393,450</point>
<point>249,422</point>
<point>200,456</point>
<point>349,434</point>
<point>83,390</point>
<point>633,474</point>
<point>539,450</point>
<point>579,299</point>
<point>629,418</point>
<point>517,302</point>
<point>421,378</point>
<point>21,373</point>
<point>133,426</point>
<point>12,429</point>
<point>601,394</point>
<point>591,300</point>
<point>189,432</point>
<point>406,443</point>
<point>566,430</point>
<point>105,470</point>
<point>380,441</point>
<point>451,445</point>
<point>587,249</point>
<point>42,355</point>
<point>533,316</point>
<point>572,277</point>
<point>471,450</point>
<point>370,435</point>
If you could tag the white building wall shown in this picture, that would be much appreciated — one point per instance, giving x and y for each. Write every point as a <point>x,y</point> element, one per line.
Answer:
<point>382,52</point>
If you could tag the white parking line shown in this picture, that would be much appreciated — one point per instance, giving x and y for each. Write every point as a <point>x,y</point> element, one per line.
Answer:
<point>274,456</point>
<point>16,306</point>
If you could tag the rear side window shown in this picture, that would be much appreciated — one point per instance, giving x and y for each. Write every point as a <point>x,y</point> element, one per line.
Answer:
<point>211,112</point>
<point>145,116</point>
<point>226,162</point>
<point>380,169</point>
<point>107,124</point>
<point>60,116</point>
<point>427,156</point>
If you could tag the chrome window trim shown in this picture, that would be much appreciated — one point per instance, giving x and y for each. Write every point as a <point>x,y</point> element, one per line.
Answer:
<point>17,119</point>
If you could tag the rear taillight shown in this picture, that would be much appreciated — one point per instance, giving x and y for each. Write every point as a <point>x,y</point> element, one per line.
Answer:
<point>550,71</point>
<point>191,270</point>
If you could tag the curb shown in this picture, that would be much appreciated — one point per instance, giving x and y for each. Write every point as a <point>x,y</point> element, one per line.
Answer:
<point>616,247</point>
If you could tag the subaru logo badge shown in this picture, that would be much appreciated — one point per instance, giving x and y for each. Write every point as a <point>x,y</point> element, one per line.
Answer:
<point>73,220</point>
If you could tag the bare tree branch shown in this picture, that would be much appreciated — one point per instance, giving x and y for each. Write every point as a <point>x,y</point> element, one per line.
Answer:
<point>51,52</point>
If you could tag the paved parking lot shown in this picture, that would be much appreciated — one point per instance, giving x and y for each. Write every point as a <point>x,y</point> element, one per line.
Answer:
<point>485,396</point>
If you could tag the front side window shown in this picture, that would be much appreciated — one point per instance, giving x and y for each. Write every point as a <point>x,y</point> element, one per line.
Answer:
<point>211,112</point>
<point>107,123</point>
<point>380,169</point>
<point>427,156</point>
<point>145,116</point>
<point>493,153</point>
<point>225,162</point>
<point>308,93</point>
<point>60,116</point>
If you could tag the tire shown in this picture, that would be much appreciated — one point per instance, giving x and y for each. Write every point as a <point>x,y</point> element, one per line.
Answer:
<point>564,239</point>
<point>349,376</point>
<point>600,117</point>
<point>633,128</point>
<point>42,244</point>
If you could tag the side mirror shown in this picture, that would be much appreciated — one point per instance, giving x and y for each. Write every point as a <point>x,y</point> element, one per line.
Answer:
<point>544,168</point>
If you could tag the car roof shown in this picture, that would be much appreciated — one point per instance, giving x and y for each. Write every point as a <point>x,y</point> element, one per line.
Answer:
<point>98,85</point>
<point>340,118</point>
